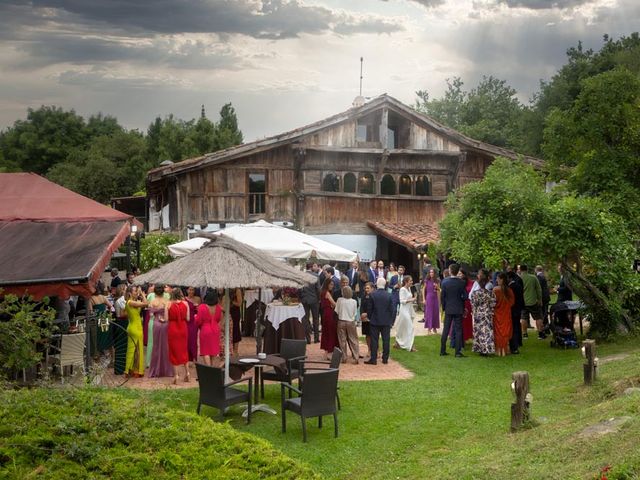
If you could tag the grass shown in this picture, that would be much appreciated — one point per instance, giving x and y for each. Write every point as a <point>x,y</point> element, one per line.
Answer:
<point>452,419</point>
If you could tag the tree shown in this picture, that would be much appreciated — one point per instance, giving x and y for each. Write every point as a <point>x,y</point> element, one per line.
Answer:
<point>566,85</point>
<point>227,132</point>
<point>509,216</point>
<point>595,144</point>
<point>44,139</point>
<point>112,166</point>
<point>489,112</point>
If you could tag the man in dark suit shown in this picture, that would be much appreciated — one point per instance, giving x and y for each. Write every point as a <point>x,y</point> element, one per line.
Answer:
<point>381,321</point>
<point>353,275</point>
<point>310,298</point>
<point>372,271</point>
<point>452,297</point>
<point>395,284</point>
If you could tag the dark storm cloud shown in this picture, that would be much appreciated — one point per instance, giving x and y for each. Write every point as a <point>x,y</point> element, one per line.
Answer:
<point>271,19</point>
<point>53,48</point>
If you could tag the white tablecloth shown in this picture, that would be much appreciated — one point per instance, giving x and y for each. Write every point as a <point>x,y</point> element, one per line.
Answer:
<point>252,295</point>
<point>277,314</point>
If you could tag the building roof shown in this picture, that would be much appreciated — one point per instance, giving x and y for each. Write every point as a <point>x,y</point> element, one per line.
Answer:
<point>414,236</point>
<point>27,196</point>
<point>54,241</point>
<point>293,135</point>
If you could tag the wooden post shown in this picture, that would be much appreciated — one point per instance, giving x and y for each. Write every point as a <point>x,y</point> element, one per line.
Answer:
<point>520,409</point>
<point>590,365</point>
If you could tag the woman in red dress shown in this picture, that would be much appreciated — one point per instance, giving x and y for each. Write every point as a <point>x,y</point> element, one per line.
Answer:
<point>502,325</point>
<point>178,315</point>
<point>329,334</point>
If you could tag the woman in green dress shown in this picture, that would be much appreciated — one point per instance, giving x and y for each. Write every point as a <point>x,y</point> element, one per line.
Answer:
<point>135,350</point>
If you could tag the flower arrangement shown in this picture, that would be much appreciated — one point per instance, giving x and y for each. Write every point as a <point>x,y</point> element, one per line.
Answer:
<point>289,295</point>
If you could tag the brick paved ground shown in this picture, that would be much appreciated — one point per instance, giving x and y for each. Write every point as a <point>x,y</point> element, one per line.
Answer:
<point>349,372</point>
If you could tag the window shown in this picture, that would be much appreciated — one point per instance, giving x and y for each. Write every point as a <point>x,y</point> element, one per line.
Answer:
<point>349,183</point>
<point>257,193</point>
<point>365,183</point>
<point>388,185</point>
<point>423,187</point>
<point>405,185</point>
<point>331,183</point>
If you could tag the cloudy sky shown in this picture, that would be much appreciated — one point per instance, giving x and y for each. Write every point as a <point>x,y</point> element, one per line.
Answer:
<point>282,63</point>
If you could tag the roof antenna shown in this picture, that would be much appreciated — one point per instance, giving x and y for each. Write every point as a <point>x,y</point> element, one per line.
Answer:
<point>361,59</point>
<point>359,100</point>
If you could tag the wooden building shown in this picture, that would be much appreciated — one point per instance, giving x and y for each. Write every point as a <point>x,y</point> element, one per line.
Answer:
<point>370,178</point>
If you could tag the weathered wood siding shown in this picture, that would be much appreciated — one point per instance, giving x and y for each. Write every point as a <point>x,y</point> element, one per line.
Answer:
<point>473,169</point>
<point>343,135</point>
<point>421,138</point>
<point>325,210</point>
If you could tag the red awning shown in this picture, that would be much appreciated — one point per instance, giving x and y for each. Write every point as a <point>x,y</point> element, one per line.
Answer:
<point>56,258</point>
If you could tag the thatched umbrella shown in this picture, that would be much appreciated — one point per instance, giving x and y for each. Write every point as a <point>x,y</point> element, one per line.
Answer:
<point>227,263</point>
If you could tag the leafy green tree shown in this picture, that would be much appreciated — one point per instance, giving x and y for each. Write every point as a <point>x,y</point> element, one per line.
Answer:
<point>595,144</point>
<point>489,112</point>
<point>566,85</point>
<point>227,132</point>
<point>44,139</point>
<point>203,136</point>
<point>113,166</point>
<point>509,216</point>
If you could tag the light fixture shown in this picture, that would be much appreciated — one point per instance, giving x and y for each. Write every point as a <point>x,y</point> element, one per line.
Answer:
<point>134,229</point>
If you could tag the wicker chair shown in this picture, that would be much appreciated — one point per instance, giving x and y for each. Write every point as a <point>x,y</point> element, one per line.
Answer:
<point>70,353</point>
<point>215,393</point>
<point>336,359</point>
<point>293,351</point>
<point>316,399</point>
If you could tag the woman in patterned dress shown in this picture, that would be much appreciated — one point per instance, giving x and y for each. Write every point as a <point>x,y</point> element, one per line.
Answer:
<point>483,302</point>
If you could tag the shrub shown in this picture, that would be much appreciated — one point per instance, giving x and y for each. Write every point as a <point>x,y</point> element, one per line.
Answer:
<point>153,250</point>
<point>95,433</point>
<point>23,323</point>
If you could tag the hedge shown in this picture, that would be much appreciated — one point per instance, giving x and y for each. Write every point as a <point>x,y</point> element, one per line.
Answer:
<point>95,433</point>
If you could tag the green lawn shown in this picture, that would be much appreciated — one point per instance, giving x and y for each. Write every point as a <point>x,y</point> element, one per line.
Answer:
<point>452,419</point>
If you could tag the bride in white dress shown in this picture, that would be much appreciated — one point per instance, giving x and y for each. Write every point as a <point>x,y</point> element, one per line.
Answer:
<point>404,325</point>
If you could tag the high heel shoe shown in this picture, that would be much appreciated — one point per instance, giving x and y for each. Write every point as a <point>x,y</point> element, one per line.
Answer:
<point>187,378</point>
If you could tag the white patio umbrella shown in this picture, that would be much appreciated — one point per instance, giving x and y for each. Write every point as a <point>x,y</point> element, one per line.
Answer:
<point>278,241</point>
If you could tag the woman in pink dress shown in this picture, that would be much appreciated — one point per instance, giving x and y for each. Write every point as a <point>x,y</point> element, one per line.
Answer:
<point>193,301</point>
<point>178,315</point>
<point>159,365</point>
<point>329,334</point>
<point>208,319</point>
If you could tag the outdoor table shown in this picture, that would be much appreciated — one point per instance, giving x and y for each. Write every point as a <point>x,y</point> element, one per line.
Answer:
<point>283,321</point>
<point>239,365</point>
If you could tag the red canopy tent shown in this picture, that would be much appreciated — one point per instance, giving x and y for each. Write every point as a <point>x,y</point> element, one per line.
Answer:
<point>54,241</point>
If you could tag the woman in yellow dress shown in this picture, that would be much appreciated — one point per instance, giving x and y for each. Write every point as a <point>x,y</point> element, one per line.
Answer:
<point>135,352</point>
